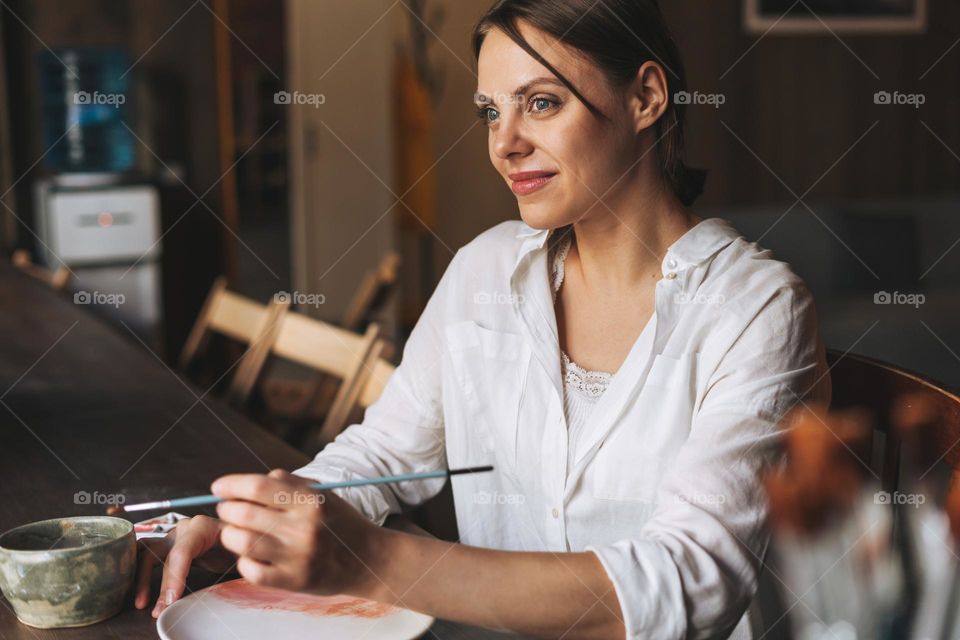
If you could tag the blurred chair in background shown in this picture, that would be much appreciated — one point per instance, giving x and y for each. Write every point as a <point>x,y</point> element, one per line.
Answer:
<point>881,388</point>
<point>372,380</point>
<point>338,355</point>
<point>375,292</point>
<point>243,320</point>
<point>861,534</point>
<point>59,279</point>
<point>294,400</point>
<point>377,374</point>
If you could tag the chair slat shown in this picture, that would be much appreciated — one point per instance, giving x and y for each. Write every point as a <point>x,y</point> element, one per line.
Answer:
<point>377,379</point>
<point>241,319</point>
<point>237,317</point>
<point>879,386</point>
<point>319,345</point>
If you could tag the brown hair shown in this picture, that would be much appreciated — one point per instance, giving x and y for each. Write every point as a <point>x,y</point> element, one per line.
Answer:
<point>618,36</point>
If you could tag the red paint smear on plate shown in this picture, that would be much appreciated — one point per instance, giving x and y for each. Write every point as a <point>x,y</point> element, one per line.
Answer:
<point>243,594</point>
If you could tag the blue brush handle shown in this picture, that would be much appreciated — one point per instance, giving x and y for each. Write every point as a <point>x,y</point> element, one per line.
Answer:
<point>196,501</point>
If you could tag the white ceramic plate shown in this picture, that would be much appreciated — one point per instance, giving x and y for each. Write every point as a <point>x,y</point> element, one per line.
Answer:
<point>237,610</point>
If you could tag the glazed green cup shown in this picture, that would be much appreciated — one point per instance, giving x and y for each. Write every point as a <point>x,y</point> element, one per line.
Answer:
<point>68,572</point>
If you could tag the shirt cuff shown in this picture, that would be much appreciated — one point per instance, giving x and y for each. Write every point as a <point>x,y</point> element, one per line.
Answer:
<point>648,588</point>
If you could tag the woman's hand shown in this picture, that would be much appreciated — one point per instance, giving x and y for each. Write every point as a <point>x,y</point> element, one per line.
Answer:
<point>194,540</point>
<point>292,537</point>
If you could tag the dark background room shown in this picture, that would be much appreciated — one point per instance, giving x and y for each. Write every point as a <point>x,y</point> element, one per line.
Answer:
<point>222,219</point>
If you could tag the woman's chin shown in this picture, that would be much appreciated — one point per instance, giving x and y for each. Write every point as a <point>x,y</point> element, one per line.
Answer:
<point>542,216</point>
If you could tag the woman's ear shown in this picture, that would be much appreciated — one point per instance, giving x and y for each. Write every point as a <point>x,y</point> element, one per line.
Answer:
<point>649,95</point>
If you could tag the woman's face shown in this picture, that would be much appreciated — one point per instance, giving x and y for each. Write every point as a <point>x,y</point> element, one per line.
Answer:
<point>557,157</point>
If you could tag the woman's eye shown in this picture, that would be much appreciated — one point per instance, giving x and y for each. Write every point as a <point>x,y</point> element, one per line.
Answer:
<point>488,115</point>
<point>542,104</point>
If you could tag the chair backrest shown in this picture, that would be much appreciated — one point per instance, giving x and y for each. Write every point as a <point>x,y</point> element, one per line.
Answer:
<point>376,375</point>
<point>373,293</point>
<point>58,279</point>
<point>243,320</point>
<point>878,386</point>
<point>331,350</point>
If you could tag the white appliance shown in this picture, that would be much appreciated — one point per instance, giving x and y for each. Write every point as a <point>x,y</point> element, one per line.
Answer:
<point>107,231</point>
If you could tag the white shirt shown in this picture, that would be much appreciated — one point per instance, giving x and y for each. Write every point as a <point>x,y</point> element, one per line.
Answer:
<point>582,388</point>
<point>663,487</point>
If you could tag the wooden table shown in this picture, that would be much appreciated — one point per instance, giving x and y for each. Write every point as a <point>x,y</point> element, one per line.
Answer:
<point>86,407</point>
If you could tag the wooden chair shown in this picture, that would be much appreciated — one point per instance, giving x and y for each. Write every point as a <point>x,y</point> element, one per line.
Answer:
<point>372,379</point>
<point>435,516</point>
<point>373,294</point>
<point>859,381</point>
<point>58,279</point>
<point>879,387</point>
<point>297,400</point>
<point>376,375</point>
<point>333,351</point>
<point>243,320</point>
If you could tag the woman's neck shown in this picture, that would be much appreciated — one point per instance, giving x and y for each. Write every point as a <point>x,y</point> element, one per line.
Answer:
<point>622,247</point>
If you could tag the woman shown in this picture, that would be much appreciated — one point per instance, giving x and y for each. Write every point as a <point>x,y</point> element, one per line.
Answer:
<point>622,363</point>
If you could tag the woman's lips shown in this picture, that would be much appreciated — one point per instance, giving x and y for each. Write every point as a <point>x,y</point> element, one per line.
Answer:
<point>527,182</point>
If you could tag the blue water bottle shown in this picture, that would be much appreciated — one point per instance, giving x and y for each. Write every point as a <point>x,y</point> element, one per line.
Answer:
<point>86,101</point>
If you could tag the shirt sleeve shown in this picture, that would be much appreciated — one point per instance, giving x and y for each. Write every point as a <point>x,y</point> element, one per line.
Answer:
<point>403,431</point>
<point>693,568</point>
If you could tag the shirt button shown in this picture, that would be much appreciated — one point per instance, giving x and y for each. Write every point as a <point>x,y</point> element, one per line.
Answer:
<point>671,275</point>
<point>555,513</point>
<point>671,264</point>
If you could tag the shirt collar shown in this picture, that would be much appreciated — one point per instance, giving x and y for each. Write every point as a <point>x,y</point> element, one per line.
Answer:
<point>532,240</point>
<point>698,245</point>
<point>694,247</point>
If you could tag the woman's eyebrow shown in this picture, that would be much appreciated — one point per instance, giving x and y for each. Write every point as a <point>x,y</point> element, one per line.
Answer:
<point>480,98</point>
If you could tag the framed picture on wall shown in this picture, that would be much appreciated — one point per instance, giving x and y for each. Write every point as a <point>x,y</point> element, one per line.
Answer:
<point>839,16</point>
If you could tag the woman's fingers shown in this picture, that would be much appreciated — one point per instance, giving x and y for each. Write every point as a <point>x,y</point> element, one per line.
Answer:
<point>254,487</point>
<point>193,538</point>
<point>248,515</point>
<point>150,552</point>
<point>260,573</point>
<point>254,545</point>
<point>174,580</point>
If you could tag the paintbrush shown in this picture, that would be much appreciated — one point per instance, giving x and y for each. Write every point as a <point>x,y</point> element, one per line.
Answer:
<point>196,501</point>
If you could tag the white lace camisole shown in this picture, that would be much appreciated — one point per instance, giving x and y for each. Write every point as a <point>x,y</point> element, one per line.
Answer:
<point>582,389</point>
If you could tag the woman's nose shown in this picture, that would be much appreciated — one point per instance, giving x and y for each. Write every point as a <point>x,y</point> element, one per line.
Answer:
<point>510,139</point>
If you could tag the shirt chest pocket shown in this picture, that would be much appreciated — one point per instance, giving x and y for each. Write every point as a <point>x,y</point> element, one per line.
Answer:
<point>640,450</point>
<point>491,369</point>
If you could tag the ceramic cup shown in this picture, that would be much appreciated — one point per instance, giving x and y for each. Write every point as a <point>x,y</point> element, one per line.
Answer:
<point>68,572</point>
